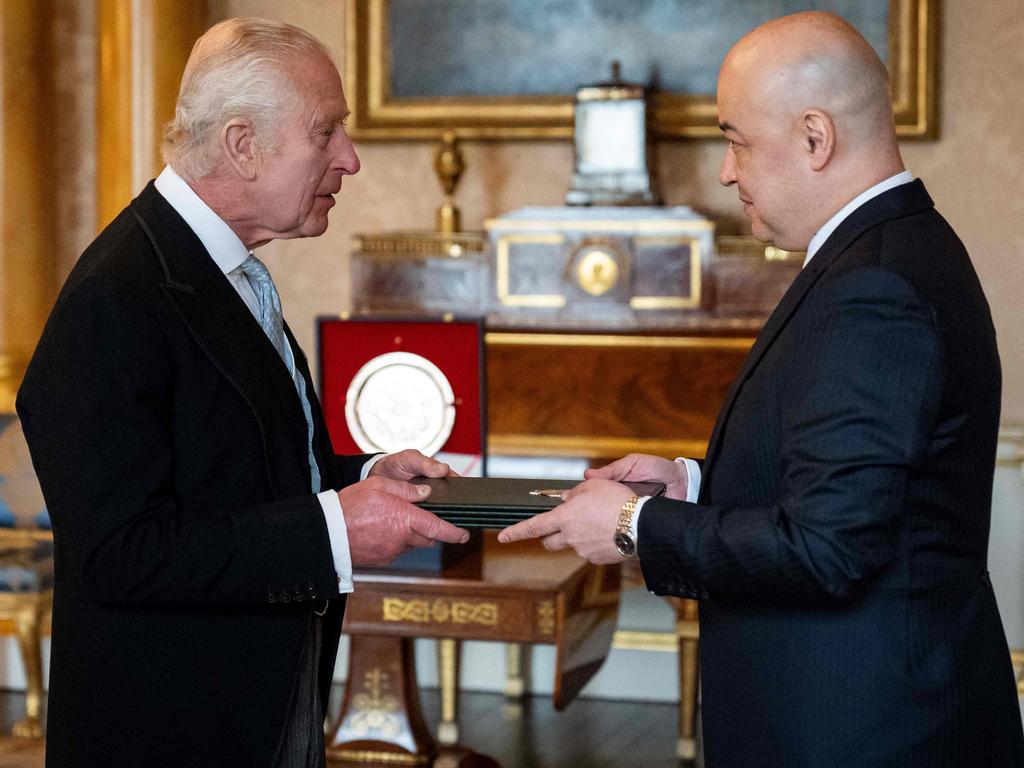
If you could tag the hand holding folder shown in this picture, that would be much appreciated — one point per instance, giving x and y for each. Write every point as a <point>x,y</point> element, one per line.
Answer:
<point>498,502</point>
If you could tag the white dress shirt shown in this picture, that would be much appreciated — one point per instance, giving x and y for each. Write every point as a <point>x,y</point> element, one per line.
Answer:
<point>830,226</point>
<point>228,252</point>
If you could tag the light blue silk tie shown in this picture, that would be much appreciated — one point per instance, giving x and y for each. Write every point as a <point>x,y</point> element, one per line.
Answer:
<point>272,321</point>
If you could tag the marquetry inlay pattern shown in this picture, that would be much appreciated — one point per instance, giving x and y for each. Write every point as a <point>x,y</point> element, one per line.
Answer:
<point>374,708</point>
<point>546,617</point>
<point>440,611</point>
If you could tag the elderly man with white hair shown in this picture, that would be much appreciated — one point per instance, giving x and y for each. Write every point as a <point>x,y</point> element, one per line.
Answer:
<point>205,532</point>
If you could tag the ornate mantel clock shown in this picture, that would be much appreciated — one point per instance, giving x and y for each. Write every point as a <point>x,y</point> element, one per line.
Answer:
<point>612,156</point>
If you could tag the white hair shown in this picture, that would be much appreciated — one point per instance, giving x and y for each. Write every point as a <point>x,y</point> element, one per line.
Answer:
<point>238,69</point>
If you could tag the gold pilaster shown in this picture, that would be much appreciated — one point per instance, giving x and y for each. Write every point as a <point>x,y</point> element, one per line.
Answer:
<point>143,47</point>
<point>113,109</point>
<point>27,185</point>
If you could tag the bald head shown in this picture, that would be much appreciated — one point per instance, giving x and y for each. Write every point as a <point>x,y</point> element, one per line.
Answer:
<point>804,99</point>
<point>816,60</point>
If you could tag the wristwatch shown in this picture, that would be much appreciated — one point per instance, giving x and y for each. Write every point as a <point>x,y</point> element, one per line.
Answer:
<point>624,541</point>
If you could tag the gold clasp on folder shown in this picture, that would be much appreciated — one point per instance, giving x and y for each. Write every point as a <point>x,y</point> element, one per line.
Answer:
<point>554,493</point>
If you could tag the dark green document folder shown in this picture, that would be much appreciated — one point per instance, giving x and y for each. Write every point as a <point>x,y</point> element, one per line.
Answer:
<point>497,502</point>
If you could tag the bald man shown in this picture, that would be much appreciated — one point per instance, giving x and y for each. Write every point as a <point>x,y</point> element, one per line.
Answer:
<point>837,530</point>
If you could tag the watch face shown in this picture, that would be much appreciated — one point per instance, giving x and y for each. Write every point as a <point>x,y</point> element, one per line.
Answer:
<point>400,400</point>
<point>625,544</point>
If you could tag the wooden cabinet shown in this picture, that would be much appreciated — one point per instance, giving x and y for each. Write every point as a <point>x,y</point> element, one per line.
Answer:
<point>603,395</point>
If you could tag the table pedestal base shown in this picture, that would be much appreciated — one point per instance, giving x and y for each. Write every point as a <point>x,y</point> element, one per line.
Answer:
<point>380,724</point>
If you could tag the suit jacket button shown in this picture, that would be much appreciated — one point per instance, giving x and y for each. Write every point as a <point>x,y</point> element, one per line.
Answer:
<point>285,597</point>
<point>271,597</point>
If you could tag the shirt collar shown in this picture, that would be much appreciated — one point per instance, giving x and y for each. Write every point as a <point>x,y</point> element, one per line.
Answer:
<point>213,232</point>
<point>904,177</point>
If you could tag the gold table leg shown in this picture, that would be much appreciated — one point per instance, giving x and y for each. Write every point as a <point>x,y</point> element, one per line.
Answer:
<point>515,686</point>
<point>448,671</point>
<point>688,633</point>
<point>28,620</point>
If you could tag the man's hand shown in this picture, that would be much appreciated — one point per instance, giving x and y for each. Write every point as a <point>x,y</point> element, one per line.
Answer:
<point>586,521</point>
<point>640,467</point>
<point>383,522</point>
<point>409,463</point>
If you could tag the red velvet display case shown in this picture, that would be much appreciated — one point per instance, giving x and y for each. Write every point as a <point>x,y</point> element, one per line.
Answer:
<point>454,346</point>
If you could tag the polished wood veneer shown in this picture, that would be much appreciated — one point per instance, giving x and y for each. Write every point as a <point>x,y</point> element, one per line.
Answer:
<point>602,396</point>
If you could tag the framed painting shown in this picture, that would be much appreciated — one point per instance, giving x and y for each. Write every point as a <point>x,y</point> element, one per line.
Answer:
<point>509,69</point>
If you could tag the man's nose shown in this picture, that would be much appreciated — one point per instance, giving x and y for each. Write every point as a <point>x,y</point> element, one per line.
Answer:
<point>346,158</point>
<point>727,173</point>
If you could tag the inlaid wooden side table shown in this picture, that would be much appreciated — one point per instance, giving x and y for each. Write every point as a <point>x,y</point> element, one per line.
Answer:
<point>517,593</point>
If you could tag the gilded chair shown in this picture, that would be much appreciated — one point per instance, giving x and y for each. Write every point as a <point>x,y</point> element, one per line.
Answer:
<point>26,598</point>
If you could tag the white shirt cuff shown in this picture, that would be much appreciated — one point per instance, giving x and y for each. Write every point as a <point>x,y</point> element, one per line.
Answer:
<point>692,491</point>
<point>692,479</point>
<point>337,532</point>
<point>365,471</point>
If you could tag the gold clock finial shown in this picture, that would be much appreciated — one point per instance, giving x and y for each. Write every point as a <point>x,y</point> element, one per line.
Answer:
<point>449,165</point>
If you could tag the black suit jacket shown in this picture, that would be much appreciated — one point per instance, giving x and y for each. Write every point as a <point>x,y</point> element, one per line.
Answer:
<point>840,537</point>
<point>171,448</point>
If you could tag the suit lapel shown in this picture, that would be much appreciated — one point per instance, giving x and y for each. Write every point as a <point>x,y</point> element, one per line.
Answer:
<point>775,323</point>
<point>899,201</point>
<point>224,328</point>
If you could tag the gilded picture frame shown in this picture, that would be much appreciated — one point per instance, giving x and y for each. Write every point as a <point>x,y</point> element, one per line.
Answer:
<point>379,114</point>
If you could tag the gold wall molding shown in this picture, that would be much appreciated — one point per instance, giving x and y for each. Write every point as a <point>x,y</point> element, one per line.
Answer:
<point>28,176</point>
<point>113,109</point>
<point>143,47</point>
<point>378,114</point>
<point>12,370</point>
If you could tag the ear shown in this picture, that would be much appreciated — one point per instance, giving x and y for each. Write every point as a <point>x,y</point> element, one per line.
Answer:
<point>238,138</point>
<point>819,136</point>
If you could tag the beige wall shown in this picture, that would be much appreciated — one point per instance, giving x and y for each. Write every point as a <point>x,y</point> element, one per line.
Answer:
<point>975,172</point>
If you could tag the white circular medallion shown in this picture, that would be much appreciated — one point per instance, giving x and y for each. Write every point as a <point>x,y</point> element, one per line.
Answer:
<point>400,400</point>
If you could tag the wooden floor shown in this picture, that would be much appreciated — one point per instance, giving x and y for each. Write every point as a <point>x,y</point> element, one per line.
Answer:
<point>589,734</point>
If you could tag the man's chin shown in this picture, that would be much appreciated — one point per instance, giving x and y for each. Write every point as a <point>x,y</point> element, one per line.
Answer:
<point>760,232</point>
<point>315,226</point>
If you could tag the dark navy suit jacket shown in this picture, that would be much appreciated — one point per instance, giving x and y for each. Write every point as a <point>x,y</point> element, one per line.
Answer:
<point>171,448</point>
<point>839,542</point>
